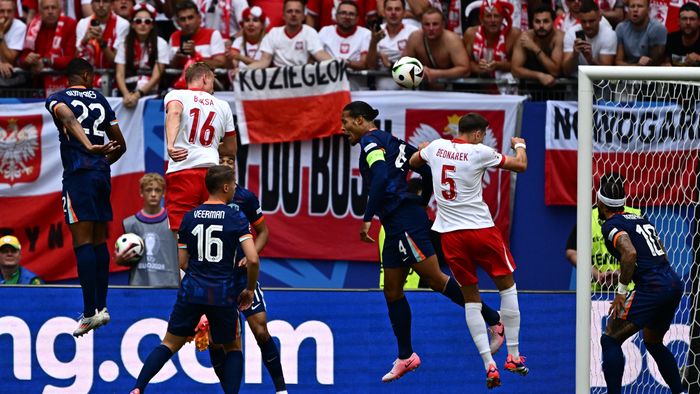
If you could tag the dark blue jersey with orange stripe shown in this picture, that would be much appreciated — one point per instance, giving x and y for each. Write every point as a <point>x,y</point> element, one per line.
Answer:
<point>211,233</point>
<point>652,270</point>
<point>95,115</point>
<point>384,167</point>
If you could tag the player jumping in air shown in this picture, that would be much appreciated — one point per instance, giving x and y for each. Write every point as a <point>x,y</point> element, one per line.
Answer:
<point>83,118</point>
<point>652,305</point>
<point>384,166</point>
<point>209,237</point>
<point>469,237</point>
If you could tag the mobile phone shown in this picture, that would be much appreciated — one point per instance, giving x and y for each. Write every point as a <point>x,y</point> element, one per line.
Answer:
<point>581,35</point>
<point>94,22</point>
<point>377,25</point>
<point>183,40</point>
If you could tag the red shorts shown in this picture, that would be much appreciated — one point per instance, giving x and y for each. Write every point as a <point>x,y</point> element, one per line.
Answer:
<point>185,190</point>
<point>464,249</point>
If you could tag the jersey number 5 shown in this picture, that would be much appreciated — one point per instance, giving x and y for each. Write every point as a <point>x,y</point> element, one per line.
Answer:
<point>206,134</point>
<point>451,192</point>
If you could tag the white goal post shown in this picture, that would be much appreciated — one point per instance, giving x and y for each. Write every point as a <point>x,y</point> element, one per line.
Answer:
<point>588,75</point>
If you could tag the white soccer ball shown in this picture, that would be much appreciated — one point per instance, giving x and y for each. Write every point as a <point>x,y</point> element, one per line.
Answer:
<point>130,241</point>
<point>407,72</point>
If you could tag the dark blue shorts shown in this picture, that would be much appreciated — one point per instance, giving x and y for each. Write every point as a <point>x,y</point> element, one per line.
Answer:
<point>407,239</point>
<point>652,309</point>
<point>85,197</point>
<point>258,304</point>
<point>223,320</point>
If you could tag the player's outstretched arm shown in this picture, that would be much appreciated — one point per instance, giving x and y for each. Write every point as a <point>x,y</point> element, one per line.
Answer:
<point>173,112</point>
<point>115,134</point>
<point>73,128</point>
<point>517,163</point>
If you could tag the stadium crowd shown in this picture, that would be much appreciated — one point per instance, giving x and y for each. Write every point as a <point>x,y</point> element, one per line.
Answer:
<point>506,40</point>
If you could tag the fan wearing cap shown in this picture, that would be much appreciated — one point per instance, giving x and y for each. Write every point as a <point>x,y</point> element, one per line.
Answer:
<point>12,272</point>
<point>245,48</point>
<point>491,44</point>
<point>142,49</point>
<point>651,306</point>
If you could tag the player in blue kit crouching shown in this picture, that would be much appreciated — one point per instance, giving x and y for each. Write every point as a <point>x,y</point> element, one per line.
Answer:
<point>208,242</point>
<point>652,305</point>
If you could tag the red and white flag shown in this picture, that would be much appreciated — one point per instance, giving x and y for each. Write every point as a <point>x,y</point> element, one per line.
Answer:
<point>283,104</point>
<point>30,185</point>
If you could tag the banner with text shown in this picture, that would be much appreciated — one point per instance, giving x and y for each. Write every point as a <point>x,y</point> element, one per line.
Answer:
<point>658,142</point>
<point>30,184</point>
<point>312,193</point>
<point>291,103</point>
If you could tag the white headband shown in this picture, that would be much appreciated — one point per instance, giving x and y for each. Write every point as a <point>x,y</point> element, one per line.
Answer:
<point>611,202</point>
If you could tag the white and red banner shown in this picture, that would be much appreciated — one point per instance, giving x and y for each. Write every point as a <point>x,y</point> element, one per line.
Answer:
<point>654,147</point>
<point>30,185</point>
<point>291,103</point>
<point>311,191</point>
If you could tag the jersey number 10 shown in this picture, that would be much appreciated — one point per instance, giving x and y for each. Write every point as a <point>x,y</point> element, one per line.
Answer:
<point>649,233</point>
<point>206,133</point>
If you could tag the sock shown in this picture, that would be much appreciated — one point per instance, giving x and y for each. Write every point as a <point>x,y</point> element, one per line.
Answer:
<point>102,275</point>
<point>489,314</point>
<point>155,361</point>
<point>233,367</point>
<point>217,355</point>
<point>510,315</point>
<point>400,316</point>
<point>271,359</point>
<point>87,270</point>
<point>667,366</point>
<point>453,292</point>
<point>613,363</point>
<point>477,328</point>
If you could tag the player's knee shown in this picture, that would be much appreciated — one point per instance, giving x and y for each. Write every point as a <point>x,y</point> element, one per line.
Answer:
<point>261,334</point>
<point>392,295</point>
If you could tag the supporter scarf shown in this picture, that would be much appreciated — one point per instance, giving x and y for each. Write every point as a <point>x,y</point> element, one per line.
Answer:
<point>52,83</point>
<point>499,51</point>
<point>224,7</point>
<point>454,19</point>
<point>92,51</point>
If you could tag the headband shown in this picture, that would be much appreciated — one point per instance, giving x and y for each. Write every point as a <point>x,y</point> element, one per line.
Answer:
<point>611,202</point>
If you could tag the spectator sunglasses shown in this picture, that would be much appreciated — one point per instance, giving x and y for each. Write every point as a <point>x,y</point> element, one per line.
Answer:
<point>145,21</point>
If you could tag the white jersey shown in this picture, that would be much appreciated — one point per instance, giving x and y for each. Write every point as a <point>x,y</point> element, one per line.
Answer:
<point>291,51</point>
<point>204,122</point>
<point>14,38</point>
<point>394,46</point>
<point>350,47</point>
<point>250,50</point>
<point>457,168</point>
<point>121,30</point>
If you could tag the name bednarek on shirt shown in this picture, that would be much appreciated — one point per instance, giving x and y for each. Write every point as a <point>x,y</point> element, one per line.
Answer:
<point>461,156</point>
<point>209,214</point>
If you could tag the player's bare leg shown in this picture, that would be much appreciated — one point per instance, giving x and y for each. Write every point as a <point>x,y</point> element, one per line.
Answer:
<point>510,315</point>
<point>268,349</point>
<point>617,332</point>
<point>653,341</point>
<point>400,316</point>
<point>83,235</point>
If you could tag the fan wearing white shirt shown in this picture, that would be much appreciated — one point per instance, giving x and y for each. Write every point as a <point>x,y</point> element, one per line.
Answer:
<point>468,235</point>
<point>347,41</point>
<point>246,48</point>
<point>597,45</point>
<point>291,44</point>
<point>12,31</point>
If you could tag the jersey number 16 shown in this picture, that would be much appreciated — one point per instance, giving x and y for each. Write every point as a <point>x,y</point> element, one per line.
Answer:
<point>206,133</point>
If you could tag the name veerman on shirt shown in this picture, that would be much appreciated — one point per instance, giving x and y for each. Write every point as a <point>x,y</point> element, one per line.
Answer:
<point>200,214</point>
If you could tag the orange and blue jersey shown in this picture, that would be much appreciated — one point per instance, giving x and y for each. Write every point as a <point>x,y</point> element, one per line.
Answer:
<point>248,204</point>
<point>211,233</point>
<point>95,115</point>
<point>384,168</point>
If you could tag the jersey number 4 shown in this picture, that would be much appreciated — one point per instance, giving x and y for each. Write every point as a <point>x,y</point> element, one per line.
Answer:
<point>208,246</point>
<point>206,133</point>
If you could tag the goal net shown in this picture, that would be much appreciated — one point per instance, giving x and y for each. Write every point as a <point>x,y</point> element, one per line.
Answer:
<point>645,128</point>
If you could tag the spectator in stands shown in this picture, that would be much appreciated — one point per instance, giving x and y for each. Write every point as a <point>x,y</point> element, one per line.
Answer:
<point>597,46</point>
<point>389,42</point>
<point>123,8</point>
<point>491,44</point>
<point>274,9</point>
<point>224,16</point>
<point>193,43</point>
<point>97,35</point>
<point>569,18</point>
<point>292,44</point>
<point>322,13</point>
<point>538,52</point>
<point>416,8</point>
<point>12,272</point>
<point>346,40</point>
<point>159,265</point>
<point>49,43</point>
<point>12,31</point>
<point>246,48</point>
<point>142,49</point>
<point>683,46</point>
<point>441,51</point>
<point>641,41</point>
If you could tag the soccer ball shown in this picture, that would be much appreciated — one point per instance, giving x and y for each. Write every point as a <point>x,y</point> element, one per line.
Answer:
<point>130,241</point>
<point>407,72</point>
